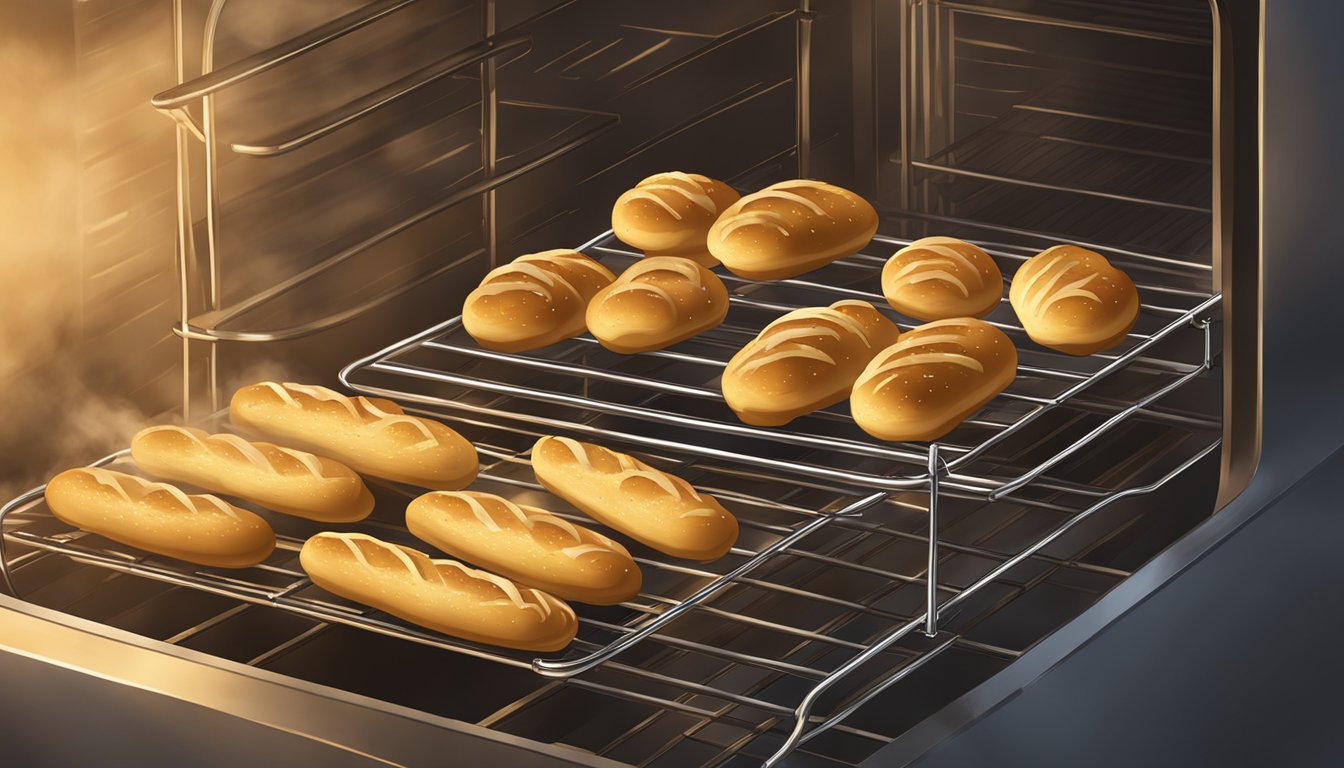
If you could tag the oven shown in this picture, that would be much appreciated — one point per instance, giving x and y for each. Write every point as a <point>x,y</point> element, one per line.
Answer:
<point>208,193</point>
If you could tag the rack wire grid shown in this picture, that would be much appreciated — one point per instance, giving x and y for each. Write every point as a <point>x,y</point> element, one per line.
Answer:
<point>823,583</point>
<point>677,389</point>
<point>864,550</point>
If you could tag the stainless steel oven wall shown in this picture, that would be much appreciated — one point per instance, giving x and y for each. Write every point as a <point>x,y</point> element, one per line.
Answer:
<point>87,211</point>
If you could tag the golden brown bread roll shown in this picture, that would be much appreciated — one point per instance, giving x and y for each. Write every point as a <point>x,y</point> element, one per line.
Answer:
<point>1071,299</point>
<point>938,278</point>
<point>804,361</point>
<point>656,303</point>
<point>370,435</point>
<point>526,544</point>
<point>443,595</point>
<point>924,385</point>
<point>790,228</point>
<point>669,214</point>
<point>279,478</point>
<point>536,300</point>
<point>655,508</point>
<point>158,517</point>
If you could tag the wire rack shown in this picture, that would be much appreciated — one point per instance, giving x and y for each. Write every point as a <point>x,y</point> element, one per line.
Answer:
<point>677,389</point>
<point>805,523</point>
<point>841,555</point>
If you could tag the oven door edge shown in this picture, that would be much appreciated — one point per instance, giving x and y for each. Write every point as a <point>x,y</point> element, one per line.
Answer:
<point>307,720</point>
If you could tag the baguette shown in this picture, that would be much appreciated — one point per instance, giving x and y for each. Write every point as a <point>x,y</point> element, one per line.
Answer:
<point>659,510</point>
<point>526,544</point>
<point>159,518</point>
<point>278,478</point>
<point>790,228</point>
<point>669,214</point>
<point>1072,300</point>
<point>804,361</point>
<point>656,303</point>
<point>938,278</point>
<point>535,301</point>
<point>924,385</point>
<point>443,595</point>
<point>370,435</point>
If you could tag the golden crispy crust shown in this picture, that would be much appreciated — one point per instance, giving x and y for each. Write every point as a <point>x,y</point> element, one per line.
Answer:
<point>790,228</point>
<point>657,509</point>
<point>1071,299</point>
<point>804,361</point>
<point>443,595</point>
<point>160,518</point>
<point>938,278</point>
<point>656,303</point>
<point>536,300</point>
<point>526,544</point>
<point>279,478</point>
<point>370,435</point>
<point>924,385</point>
<point>669,214</point>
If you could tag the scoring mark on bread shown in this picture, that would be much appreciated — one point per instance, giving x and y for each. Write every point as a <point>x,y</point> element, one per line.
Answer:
<point>381,419</point>
<point>750,218</point>
<point>801,351</point>
<point>647,191</point>
<point>1039,299</point>
<point>775,193</point>
<point>528,520</point>
<point>512,595</point>
<point>144,488</point>
<point>631,469</point>
<point>906,352</point>
<point>248,451</point>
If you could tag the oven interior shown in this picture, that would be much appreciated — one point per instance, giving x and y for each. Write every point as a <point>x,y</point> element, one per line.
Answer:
<point>314,183</point>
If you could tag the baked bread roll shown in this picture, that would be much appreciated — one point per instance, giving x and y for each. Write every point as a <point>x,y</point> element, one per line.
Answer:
<point>655,508</point>
<point>160,518</point>
<point>669,214</point>
<point>443,595</point>
<point>656,303</point>
<point>1072,300</point>
<point>367,434</point>
<point>924,385</point>
<point>804,361</point>
<point>526,544</point>
<point>938,278</point>
<point>790,228</point>
<point>278,478</point>
<point>536,300</point>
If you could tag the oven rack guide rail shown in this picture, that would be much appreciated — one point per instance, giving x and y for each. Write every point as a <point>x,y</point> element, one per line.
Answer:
<point>911,640</point>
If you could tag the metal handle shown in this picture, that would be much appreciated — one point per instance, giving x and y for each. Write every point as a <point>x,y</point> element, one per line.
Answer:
<point>246,69</point>
<point>377,100</point>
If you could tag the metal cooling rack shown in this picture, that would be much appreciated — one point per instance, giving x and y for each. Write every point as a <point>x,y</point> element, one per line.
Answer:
<point>677,388</point>
<point>780,536</point>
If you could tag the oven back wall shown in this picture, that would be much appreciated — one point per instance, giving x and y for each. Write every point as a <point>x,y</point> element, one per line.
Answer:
<point>86,230</point>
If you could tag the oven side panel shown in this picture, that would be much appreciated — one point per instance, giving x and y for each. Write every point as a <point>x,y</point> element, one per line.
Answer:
<point>1212,664</point>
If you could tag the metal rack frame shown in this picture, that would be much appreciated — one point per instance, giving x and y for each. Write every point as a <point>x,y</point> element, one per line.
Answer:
<point>281,585</point>
<point>958,456</point>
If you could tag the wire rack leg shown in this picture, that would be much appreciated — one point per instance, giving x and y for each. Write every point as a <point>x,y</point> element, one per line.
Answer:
<point>931,612</point>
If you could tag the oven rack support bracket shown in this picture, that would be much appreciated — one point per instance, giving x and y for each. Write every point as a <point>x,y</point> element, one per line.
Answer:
<point>803,716</point>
